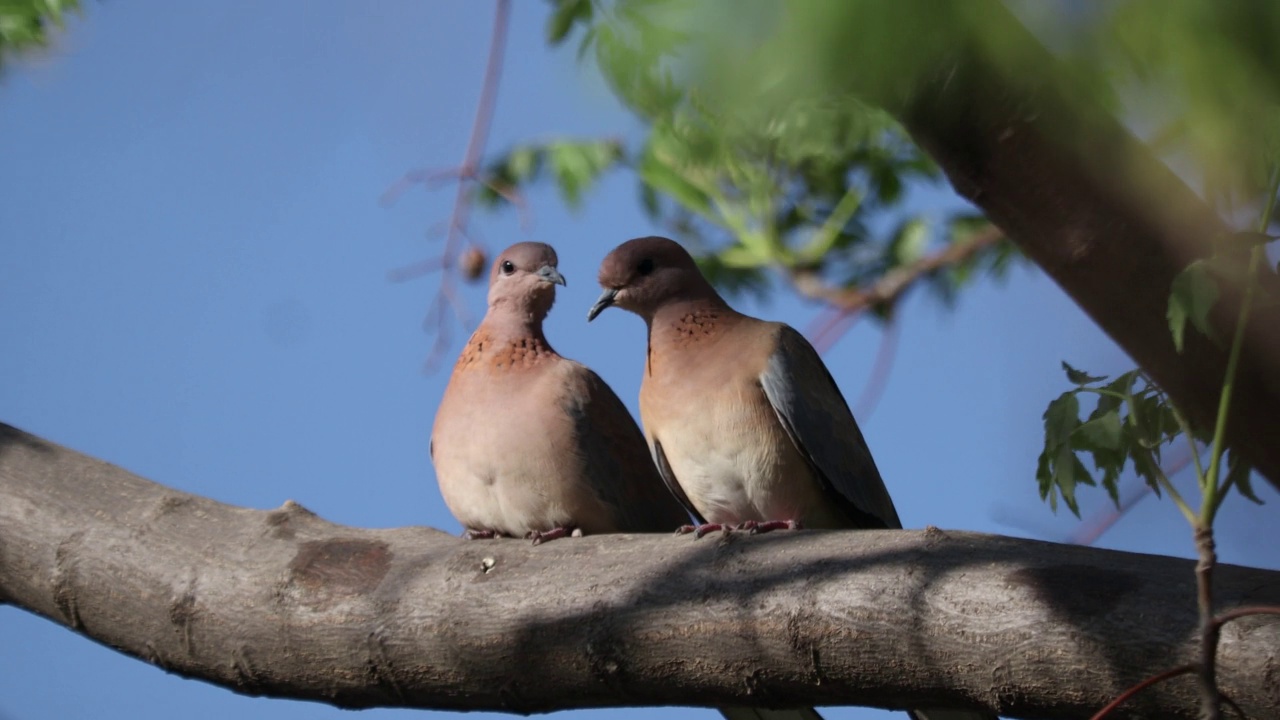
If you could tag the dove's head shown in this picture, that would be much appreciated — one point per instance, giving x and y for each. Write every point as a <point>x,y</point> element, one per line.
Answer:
<point>644,274</point>
<point>523,279</point>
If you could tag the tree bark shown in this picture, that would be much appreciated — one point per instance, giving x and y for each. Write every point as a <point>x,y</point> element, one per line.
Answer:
<point>284,604</point>
<point>1095,209</point>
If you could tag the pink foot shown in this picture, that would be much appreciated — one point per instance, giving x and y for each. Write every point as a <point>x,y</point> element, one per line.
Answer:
<point>756,527</point>
<point>481,534</point>
<point>700,530</point>
<point>539,536</point>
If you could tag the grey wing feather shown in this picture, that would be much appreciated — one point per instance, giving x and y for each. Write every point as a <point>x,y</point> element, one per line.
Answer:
<point>669,477</point>
<point>815,415</point>
<point>618,458</point>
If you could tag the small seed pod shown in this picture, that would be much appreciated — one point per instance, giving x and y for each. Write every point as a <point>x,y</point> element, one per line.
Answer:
<point>472,263</point>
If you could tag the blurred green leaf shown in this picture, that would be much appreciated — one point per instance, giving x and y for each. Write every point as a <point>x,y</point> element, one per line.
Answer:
<point>577,165</point>
<point>566,14</point>
<point>1239,473</point>
<point>743,256</point>
<point>523,163</point>
<point>909,243</point>
<point>661,176</point>
<point>574,165</point>
<point>25,25</point>
<point>1191,298</point>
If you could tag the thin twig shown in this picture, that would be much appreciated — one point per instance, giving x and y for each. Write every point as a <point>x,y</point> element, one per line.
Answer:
<point>879,378</point>
<point>824,331</point>
<point>1153,680</point>
<point>466,175</point>
<point>1238,613</point>
<point>846,306</point>
<point>1213,495</point>
<point>892,284</point>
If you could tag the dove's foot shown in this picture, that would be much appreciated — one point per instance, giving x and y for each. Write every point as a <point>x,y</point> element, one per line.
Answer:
<point>756,527</point>
<point>700,530</point>
<point>540,536</point>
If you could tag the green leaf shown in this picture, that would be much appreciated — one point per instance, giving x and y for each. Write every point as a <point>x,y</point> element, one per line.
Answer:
<point>577,165</point>
<point>1066,473</point>
<point>1080,377</point>
<point>1239,473</point>
<point>743,256</point>
<point>1111,464</point>
<point>1044,475</point>
<point>1145,465</point>
<point>649,200</point>
<point>1123,384</point>
<point>1107,404</point>
<point>667,180</point>
<point>562,20</point>
<point>1150,419</point>
<point>908,245</point>
<point>832,230</point>
<point>1191,297</point>
<point>523,162</point>
<point>1061,418</point>
<point>1101,433</point>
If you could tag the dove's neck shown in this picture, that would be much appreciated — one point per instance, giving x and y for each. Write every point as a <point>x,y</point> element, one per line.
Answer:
<point>687,323</point>
<point>504,323</point>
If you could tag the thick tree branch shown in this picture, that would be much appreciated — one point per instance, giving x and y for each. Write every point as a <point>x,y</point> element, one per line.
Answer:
<point>283,603</point>
<point>1094,208</point>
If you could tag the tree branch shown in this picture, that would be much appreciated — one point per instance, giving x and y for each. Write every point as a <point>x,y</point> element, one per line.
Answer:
<point>285,604</point>
<point>894,282</point>
<point>1091,205</point>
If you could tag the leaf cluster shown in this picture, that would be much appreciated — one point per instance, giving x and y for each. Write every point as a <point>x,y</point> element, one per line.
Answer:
<point>25,24</point>
<point>1131,422</point>
<point>814,184</point>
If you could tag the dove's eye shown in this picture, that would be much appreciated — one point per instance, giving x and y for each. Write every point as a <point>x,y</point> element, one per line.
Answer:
<point>645,267</point>
<point>508,267</point>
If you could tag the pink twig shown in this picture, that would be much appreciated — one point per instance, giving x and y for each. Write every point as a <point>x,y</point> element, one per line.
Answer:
<point>880,370</point>
<point>465,174</point>
<point>1153,680</point>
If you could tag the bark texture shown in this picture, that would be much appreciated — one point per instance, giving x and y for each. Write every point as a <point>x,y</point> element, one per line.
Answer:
<point>1094,208</point>
<point>285,604</point>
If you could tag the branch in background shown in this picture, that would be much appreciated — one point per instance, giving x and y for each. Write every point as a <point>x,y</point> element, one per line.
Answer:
<point>893,283</point>
<point>880,369</point>
<point>1091,205</point>
<point>472,260</point>
<point>847,304</point>
<point>283,604</point>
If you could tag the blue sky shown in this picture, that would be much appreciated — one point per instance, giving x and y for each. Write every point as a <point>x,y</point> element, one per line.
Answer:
<point>196,289</point>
